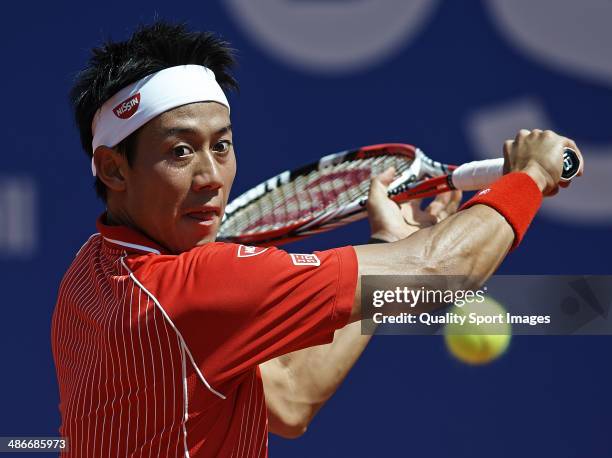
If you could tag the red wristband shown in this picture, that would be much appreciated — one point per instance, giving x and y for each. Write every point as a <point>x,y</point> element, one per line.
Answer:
<point>516,197</point>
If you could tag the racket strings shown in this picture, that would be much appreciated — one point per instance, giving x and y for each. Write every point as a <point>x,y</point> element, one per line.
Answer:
<point>312,196</point>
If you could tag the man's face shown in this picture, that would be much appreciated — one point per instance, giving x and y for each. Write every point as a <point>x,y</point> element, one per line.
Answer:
<point>183,170</point>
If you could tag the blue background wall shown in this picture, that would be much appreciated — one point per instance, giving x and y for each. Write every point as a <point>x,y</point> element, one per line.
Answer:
<point>461,81</point>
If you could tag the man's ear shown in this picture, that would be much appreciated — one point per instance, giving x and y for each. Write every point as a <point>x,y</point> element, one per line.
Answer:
<point>109,168</point>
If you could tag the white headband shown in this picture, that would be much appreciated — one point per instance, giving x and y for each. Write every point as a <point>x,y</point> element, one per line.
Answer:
<point>136,104</point>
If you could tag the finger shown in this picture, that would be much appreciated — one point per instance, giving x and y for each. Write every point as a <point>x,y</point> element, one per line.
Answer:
<point>378,187</point>
<point>444,205</point>
<point>411,209</point>
<point>439,202</point>
<point>411,204</point>
<point>454,201</point>
<point>551,133</point>
<point>387,176</point>
<point>438,205</point>
<point>412,212</point>
<point>447,202</point>
<point>554,192</point>
<point>522,134</point>
<point>564,184</point>
<point>507,151</point>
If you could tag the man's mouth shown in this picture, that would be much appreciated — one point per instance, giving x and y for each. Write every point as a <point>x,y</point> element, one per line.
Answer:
<point>205,216</point>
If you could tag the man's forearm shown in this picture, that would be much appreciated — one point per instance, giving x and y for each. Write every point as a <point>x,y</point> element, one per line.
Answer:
<point>470,245</point>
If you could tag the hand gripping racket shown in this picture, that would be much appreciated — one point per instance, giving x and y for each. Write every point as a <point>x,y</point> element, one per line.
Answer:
<point>333,191</point>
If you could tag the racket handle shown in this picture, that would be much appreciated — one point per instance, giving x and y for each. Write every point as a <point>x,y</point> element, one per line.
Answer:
<point>478,174</point>
<point>571,164</point>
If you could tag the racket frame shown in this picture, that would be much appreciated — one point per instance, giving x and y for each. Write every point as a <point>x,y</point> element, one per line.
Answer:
<point>408,185</point>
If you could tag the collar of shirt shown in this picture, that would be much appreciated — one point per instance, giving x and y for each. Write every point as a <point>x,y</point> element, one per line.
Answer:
<point>129,239</point>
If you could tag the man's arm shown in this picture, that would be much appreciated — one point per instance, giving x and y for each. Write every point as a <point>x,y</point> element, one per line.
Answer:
<point>298,384</point>
<point>469,245</point>
<point>472,246</point>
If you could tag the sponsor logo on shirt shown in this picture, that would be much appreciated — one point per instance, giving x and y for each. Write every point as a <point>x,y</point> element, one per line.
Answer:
<point>305,259</point>
<point>128,107</point>
<point>245,251</point>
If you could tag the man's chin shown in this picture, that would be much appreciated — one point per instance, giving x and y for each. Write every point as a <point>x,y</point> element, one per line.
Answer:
<point>193,235</point>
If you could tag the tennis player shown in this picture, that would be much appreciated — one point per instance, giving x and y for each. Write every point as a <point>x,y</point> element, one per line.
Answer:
<point>159,331</point>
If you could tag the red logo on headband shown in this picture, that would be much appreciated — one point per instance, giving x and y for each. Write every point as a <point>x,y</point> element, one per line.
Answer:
<point>128,107</point>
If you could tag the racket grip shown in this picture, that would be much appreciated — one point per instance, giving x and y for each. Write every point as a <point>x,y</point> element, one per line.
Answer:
<point>478,174</point>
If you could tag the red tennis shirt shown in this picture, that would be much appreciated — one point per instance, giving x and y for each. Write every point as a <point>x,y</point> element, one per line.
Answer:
<point>157,354</point>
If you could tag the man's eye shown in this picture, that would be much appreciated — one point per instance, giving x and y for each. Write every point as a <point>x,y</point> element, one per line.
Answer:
<point>181,151</point>
<point>222,147</point>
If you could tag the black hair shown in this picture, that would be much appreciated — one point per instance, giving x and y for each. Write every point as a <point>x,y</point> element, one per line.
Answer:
<point>151,48</point>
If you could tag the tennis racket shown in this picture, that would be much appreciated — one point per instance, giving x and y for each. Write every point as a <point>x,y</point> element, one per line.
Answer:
<point>333,192</point>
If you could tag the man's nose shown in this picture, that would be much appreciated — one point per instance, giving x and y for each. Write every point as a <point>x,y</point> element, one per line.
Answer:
<point>207,174</point>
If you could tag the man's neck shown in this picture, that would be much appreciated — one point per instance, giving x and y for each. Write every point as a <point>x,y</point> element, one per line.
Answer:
<point>114,217</point>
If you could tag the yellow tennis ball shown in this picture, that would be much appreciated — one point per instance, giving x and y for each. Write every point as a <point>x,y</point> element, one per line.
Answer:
<point>490,338</point>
